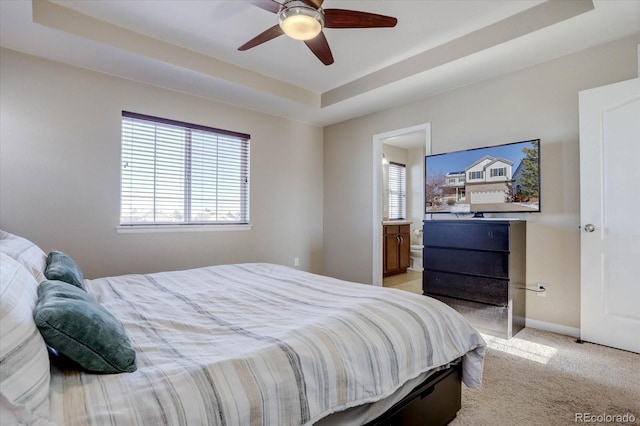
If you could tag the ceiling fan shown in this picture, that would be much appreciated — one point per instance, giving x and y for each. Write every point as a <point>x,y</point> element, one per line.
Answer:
<point>305,19</point>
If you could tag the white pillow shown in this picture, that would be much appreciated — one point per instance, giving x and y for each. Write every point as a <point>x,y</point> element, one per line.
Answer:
<point>24,370</point>
<point>25,252</point>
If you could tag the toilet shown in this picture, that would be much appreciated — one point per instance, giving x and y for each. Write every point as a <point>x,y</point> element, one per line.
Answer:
<point>416,258</point>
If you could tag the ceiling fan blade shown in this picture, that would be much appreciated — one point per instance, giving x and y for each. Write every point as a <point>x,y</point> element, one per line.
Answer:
<point>314,3</point>
<point>342,18</point>
<point>263,37</point>
<point>269,5</point>
<point>320,47</point>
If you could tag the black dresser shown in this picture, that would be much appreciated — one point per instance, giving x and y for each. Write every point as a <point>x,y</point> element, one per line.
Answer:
<point>478,268</point>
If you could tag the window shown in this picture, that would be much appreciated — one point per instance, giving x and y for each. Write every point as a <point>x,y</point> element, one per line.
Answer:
<point>397,191</point>
<point>175,173</point>
<point>500,171</point>
<point>475,175</point>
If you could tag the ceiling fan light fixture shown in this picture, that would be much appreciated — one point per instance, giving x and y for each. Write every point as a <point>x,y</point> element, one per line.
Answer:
<point>300,21</point>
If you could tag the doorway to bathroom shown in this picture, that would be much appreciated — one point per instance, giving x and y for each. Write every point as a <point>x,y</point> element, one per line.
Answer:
<point>406,147</point>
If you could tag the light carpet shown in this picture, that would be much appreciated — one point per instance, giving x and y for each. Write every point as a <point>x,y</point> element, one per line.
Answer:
<point>542,378</point>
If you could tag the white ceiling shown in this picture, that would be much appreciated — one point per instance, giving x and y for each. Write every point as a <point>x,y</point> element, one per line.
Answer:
<point>191,46</point>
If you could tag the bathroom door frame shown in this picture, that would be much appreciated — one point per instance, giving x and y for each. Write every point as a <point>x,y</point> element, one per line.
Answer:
<point>377,190</point>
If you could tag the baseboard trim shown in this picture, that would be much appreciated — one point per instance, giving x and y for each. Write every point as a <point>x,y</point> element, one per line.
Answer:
<point>554,328</point>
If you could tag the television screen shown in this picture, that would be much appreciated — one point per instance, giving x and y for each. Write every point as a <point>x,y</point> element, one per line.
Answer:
<point>497,179</point>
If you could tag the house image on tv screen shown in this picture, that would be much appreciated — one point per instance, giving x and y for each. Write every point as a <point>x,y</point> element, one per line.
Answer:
<point>487,183</point>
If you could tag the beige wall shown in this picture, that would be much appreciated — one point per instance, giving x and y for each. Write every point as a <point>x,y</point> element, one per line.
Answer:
<point>537,102</point>
<point>59,173</point>
<point>415,191</point>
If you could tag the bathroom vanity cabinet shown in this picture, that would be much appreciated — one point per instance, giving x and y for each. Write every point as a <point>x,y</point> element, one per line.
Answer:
<point>396,248</point>
<point>478,268</point>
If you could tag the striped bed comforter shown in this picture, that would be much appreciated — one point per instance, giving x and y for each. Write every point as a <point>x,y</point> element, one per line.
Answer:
<point>260,344</point>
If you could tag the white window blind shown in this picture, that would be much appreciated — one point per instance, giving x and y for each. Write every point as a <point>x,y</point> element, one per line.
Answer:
<point>176,173</point>
<point>397,191</point>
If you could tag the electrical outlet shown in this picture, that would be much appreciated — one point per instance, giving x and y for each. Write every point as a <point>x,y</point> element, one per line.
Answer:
<point>296,261</point>
<point>542,290</point>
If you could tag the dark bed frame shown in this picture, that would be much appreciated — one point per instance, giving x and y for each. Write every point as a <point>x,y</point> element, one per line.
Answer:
<point>434,402</point>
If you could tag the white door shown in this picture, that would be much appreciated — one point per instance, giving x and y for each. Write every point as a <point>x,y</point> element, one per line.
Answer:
<point>610,215</point>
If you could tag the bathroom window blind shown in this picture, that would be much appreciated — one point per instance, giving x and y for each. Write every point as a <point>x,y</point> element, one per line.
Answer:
<point>176,173</point>
<point>397,191</point>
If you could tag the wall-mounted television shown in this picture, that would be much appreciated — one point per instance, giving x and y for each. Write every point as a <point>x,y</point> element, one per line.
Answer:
<point>495,179</point>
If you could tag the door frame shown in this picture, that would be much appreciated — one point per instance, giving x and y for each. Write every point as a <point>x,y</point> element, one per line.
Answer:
<point>377,191</point>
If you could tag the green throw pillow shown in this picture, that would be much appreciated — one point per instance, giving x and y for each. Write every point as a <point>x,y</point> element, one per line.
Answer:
<point>61,267</point>
<point>73,323</point>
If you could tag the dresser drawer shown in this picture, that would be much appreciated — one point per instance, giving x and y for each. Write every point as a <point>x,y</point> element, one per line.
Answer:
<point>483,236</point>
<point>468,287</point>
<point>489,264</point>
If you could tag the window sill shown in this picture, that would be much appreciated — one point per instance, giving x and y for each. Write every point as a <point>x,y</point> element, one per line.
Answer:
<point>139,229</point>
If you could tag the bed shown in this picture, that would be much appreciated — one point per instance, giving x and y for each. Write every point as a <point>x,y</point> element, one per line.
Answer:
<point>249,344</point>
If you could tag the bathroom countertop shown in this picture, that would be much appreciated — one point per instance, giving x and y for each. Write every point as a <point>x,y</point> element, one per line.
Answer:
<point>396,222</point>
